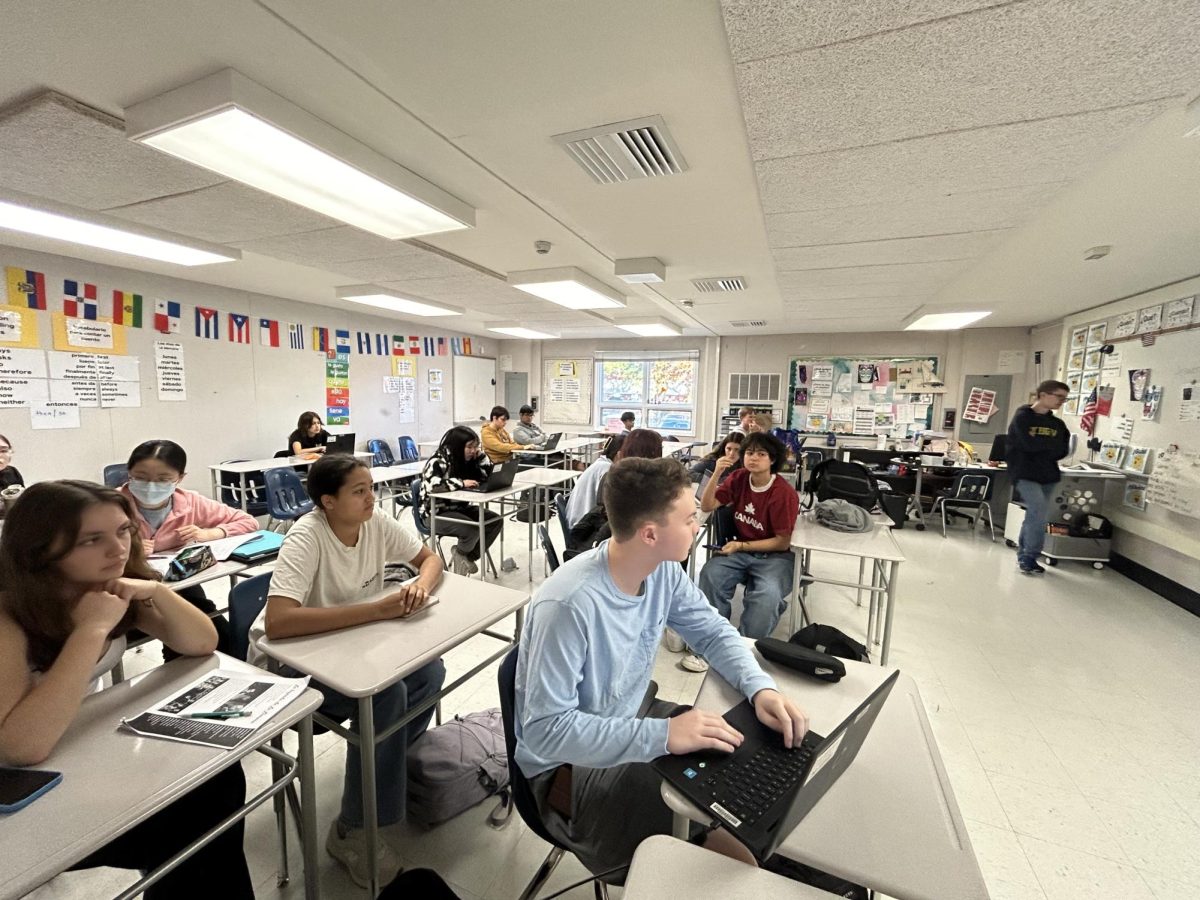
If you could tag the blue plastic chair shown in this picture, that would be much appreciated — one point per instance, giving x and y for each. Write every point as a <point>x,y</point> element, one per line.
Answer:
<point>116,475</point>
<point>408,449</point>
<point>247,599</point>
<point>256,500</point>
<point>286,498</point>
<point>420,521</point>
<point>381,452</point>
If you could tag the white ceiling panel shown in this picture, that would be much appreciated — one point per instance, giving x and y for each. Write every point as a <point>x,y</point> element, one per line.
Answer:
<point>795,286</point>
<point>414,263</point>
<point>933,248</point>
<point>326,245</point>
<point>891,273</point>
<point>1011,63</point>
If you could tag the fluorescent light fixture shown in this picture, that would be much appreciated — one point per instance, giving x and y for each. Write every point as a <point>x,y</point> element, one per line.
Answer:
<point>57,221</point>
<point>230,125</point>
<point>514,330</point>
<point>374,295</point>
<point>654,327</point>
<point>567,286</point>
<point>947,321</point>
<point>643,270</point>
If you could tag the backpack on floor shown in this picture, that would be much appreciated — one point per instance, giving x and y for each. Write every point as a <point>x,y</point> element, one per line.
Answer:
<point>834,641</point>
<point>834,479</point>
<point>457,765</point>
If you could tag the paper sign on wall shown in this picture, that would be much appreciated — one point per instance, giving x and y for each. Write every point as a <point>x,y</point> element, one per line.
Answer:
<point>23,391</point>
<point>51,414</point>
<point>1012,362</point>
<point>171,372</point>
<point>18,328</point>
<point>16,363</point>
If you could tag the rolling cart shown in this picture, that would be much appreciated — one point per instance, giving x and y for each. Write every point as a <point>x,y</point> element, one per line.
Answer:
<point>1082,492</point>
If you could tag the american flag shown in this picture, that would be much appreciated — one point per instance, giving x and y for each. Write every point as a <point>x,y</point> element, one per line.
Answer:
<point>1088,420</point>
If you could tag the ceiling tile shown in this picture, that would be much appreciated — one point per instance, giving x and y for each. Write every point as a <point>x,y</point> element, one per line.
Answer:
<point>795,286</point>
<point>325,245</point>
<point>413,264</point>
<point>891,273</point>
<point>938,248</point>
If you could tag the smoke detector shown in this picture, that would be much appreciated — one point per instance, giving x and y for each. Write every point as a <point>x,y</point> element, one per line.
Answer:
<point>1097,252</point>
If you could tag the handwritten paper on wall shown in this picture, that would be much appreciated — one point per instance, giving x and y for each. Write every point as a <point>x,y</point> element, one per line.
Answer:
<point>1175,482</point>
<point>49,414</point>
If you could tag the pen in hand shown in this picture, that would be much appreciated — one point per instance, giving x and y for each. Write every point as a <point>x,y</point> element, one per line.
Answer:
<point>230,714</point>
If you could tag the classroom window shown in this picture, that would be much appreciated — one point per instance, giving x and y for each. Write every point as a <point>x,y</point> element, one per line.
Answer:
<point>661,393</point>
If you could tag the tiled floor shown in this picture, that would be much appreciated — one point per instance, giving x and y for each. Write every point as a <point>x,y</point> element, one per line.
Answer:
<point>1065,707</point>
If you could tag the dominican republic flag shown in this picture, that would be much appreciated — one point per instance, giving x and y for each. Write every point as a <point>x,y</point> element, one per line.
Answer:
<point>1087,421</point>
<point>295,335</point>
<point>126,309</point>
<point>208,323</point>
<point>428,344</point>
<point>320,339</point>
<point>166,316</point>
<point>79,300</point>
<point>414,345</point>
<point>239,328</point>
<point>398,345</point>
<point>467,346</point>
<point>25,288</point>
<point>268,332</point>
<point>342,341</point>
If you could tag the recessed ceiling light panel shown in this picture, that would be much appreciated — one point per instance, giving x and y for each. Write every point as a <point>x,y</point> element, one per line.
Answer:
<point>520,331</point>
<point>382,298</point>
<point>944,321</point>
<point>567,286</point>
<point>652,327</point>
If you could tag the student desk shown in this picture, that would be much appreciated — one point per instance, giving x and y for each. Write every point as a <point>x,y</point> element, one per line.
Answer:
<point>582,447</point>
<point>113,779</point>
<point>541,480</point>
<point>480,499</point>
<point>664,866</point>
<point>677,448</point>
<point>384,478</point>
<point>891,822</point>
<point>382,653</point>
<point>878,546</point>
<point>246,466</point>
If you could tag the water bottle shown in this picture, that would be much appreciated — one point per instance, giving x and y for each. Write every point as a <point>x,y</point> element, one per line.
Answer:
<point>831,440</point>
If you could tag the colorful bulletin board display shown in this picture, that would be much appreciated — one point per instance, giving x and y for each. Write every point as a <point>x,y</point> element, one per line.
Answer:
<point>863,396</point>
<point>86,335</point>
<point>18,327</point>
<point>337,388</point>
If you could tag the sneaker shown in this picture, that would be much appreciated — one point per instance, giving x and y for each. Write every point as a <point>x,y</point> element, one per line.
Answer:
<point>693,663</point>
<point>673,642</point>
<point>460,565</point>
<point>351,852</point>
<point>1031,569</point>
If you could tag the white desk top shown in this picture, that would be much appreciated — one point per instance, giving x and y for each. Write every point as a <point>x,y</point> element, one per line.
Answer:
<point>482,496</point>
<point>891,821</point>
<point>112,779</point>
<point>363,660</point>
<point>222,569</point>
<point>545,477</point>
<point>579,443</point>
<point>877,544</point>
<point>671,448</point>
<point>663,867</point>
<point>257,465</point>
<point>400,470</point>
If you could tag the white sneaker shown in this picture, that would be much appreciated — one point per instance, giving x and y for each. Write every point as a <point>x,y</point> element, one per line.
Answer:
<point>693,663</point>
<point>351,852</point>
<point>673,642</point>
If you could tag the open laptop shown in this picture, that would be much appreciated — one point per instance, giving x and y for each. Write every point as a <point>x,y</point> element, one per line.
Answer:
<point>552,441</point>
<point>340,443</point>
<point>500,478</point>
<point>762,790</point>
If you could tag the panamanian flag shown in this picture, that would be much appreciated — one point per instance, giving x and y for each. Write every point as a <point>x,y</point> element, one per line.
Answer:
<point>167,314</point>
<point>126,309</point>
<point>25,288</point>
<point>208,323</point>
<point>268,332</point>
<point>295,335</point>
<point>80,300</point>
<point>239,328</point>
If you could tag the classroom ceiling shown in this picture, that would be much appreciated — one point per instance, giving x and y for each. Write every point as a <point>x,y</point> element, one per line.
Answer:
<point>852,162</point>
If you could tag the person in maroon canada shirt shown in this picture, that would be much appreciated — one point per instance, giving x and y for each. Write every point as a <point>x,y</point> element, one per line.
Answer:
<point>764,508</point>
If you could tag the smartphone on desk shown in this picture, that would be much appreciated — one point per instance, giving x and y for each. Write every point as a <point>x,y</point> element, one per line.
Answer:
<point>20,787</point>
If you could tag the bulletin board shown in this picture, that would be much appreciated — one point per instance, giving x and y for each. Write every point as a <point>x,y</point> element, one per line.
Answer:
<point>567,391</point>
<point>863,396</point>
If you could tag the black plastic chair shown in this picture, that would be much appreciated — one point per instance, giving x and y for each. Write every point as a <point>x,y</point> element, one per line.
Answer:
<point>256,495</point>
<point>287,499</point>
<point>971,490</point>
<point>560,507</point>
<point>548,547</point>
<point>408,449</point>
<point>116,475</point>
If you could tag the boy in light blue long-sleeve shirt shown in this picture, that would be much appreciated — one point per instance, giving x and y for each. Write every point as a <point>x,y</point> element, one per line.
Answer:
<point>584,735</point>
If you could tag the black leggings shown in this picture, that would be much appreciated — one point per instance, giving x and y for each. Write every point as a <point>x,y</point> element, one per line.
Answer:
<point>218,870</point>
<point>465,527</point>
<point>195,595</point>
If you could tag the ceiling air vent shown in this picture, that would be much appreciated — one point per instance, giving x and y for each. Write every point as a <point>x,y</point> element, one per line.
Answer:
<point>623,151</point>
<point>748,323</point>
<point>727,283</point>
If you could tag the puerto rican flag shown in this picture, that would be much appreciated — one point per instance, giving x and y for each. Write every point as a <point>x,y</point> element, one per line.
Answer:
<point>167,314</point>
<point>239,328</point>
<point>80,300</point>
<point>268,332</point>
<point>26,288</point>
<point>208,323</point>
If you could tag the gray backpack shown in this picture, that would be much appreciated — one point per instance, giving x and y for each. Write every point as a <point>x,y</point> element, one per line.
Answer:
<point>457,765</point>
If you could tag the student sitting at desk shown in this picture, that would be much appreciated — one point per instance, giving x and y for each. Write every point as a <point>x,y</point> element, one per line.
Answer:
<point>456,464</point>
<point>168,516</point>
<point>330,562</point>
<point>527,433</point>
<point>593,527</point>
<point>497,442</point>
<point>585,496</point>
<point>8,472</point>
<point>586,656</point>
<point>729,446</point>
<point>75,582</point>
<point>310,435</point>
<point>764,514</point>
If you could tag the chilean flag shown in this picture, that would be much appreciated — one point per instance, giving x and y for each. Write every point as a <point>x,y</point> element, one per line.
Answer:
<point>268,332</point>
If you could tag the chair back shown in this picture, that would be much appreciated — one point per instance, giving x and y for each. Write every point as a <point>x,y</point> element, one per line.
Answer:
<point>282,454</point>
<point>381,452</point>
<point>548,547</point>
<point>523,798</point>
<point>286,497</point>
<point>408,449</point>
<point>246,600</point>
<point>723,528</point>
<point>973,487</point>
<point>560,506</point>
<point>115,475</point>
<point>256,495</point>
<point>418,514</point>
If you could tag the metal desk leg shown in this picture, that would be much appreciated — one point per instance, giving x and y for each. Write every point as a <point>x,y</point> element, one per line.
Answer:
<point>893,574</point>
<point>242,486</point>
<point>279,802</point>
<point>433,542</point>
<point>308,809</point>
<point>483,546</point>
<point>862,562</point>
<point>872,602</point>
<point>534,506</point>
<point>797,568</point>
<point>366,752</point>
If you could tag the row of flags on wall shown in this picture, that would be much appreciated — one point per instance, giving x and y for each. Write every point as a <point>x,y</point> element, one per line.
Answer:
<point>82,300</point>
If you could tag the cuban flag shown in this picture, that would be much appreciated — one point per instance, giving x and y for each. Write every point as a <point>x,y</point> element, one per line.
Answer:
<point>414,345</point>
<point>126,309</point>
<point>208,323</point>
<point>268,332</point>
<point>342,341</point>
<point>397,345</point>
<point>428,344</point>
<point>80,300</point>
<point>320,338</point>
<point>25,288</point>
<point>167,315</point>
<point>239,328</point>
<point>295,335</point>
<point>364,342</point>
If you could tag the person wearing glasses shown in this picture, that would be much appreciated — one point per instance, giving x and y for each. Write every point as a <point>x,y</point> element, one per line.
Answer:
<point>8,472</point>
<point>1036,441</point>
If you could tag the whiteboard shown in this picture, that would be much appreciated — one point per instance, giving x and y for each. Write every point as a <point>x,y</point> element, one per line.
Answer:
<point>474,387</point>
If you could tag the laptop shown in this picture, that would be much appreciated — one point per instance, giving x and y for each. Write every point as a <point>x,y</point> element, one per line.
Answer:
<point>500,478</point>
<point>340,443</point>
<point>260,546</point>
<point>762,790</point>
<point>552,441</point>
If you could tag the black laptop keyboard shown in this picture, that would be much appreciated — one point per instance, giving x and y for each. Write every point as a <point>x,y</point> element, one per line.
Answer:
<point>751,786</point>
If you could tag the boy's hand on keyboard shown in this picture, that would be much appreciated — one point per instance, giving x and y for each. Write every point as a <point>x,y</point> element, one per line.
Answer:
<point>778,712</point>
<point>699,730</point>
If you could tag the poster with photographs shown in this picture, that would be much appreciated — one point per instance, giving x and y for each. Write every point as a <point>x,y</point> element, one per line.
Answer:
<point>1149,319</point>
<point>1126,325</point>
<point>1091,381</point>
<point>1096,334</point>
<point>1075,360</point>
<point>1178,312</point>
<point>1078,338</point>
<point>1135,495</point>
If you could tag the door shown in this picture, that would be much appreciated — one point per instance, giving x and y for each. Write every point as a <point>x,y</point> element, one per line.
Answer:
<point>980,434</point>
<point>516,391</point>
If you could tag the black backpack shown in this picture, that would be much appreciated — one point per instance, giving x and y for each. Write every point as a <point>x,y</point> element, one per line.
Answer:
<point>834,641</point>
<point>833,479</point>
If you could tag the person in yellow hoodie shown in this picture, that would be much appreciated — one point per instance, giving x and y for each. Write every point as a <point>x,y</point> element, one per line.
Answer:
<point>497,442</point>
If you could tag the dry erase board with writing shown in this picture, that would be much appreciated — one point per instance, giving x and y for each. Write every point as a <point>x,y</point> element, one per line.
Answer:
<point>863,396</point>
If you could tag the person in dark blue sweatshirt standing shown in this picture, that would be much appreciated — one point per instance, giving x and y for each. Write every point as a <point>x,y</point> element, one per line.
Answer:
<point>1036,441</point>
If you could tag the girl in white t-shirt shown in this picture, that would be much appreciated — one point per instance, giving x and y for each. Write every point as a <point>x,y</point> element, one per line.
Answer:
<point>329,575</point>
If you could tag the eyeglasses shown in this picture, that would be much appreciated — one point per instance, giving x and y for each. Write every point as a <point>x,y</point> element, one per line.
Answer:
<point>5,449</point>
<point>1063,397</point>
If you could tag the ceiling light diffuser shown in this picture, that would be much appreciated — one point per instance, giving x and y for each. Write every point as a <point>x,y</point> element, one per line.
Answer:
<point>643,270</point>
<point>237,128</point>
<point>57,221</point>
<point>522,332</point>
<point>567,286</point>
<point>947,321</point>
<point>654,327</point>
<point>374,295</point>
